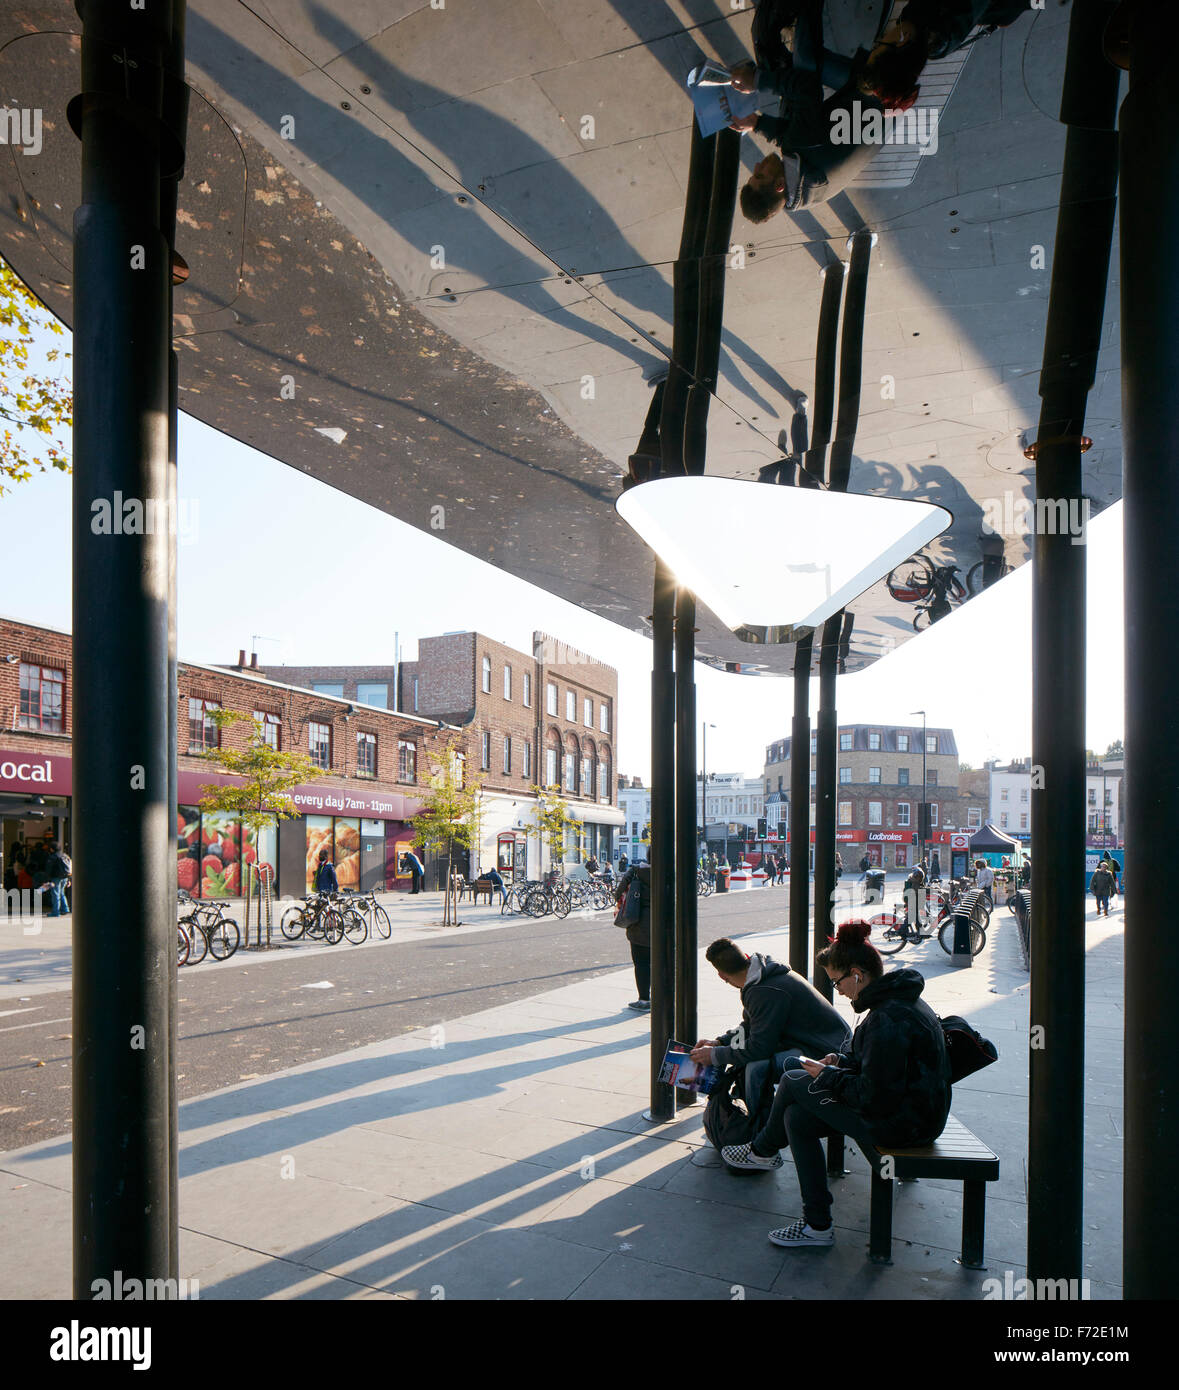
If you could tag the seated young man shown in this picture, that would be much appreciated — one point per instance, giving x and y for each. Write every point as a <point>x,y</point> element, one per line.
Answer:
<point>782,1015</point>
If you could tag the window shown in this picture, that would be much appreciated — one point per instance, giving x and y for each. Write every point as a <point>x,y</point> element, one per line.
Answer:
<point>1003,821</point>
<point>333,688</point>
<point>1023,820</point>
<point>587,777</point>
<point>931,777</point>
<point>366,755</point>
<point>42,698</point>
<point>604,717</point>
<point>507,756</point>
<point>779,783</point>
<point>814,742</point>
<point>873,741</point>
<point>1092,820</point>
<point>845,743</point>
<point>634,829</point>
<point>373,693</point>
<point>902,743</point>
<point>550,767</point>
<point>844,776</point>
<point>527,772</point>
<point>1023,794</point>
<point>1003,794</point>
<point>271,729</point>
<point>902,813</point>
<point>814,777</point>
<point>407,761</point>
<point>527,690</point>
<point>485,751</point>
<point>931,743</point>
<point>550,692</point>
<point>875,809</point>
<point>570,772</point>
<point>902,776</point>
<point>507,682</point>
<point>487,675</point>
<point>570,706</point>
<point>603,781</point>
<point>873,774</point>
<point>319,744</point>
<point>415,694</point>
<point>845,813</point>
<point>203,733</point>
<point>1092,796</point>
<point>933,813</point>
<point>587,712</point>
<point>974,817</point>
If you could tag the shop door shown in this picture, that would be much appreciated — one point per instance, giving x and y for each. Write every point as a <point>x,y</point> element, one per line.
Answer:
<point>372,856</point>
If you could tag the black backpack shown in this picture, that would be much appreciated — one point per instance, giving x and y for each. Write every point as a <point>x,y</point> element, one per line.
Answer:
<point>966,1048</point>
<point>726,1121</point>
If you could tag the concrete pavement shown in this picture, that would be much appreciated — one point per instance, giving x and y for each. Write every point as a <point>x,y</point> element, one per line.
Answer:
<point>504,1155</point>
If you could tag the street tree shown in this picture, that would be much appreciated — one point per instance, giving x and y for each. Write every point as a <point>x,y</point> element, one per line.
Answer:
<point>29,400</point>
<point>450,816</point>
<point>552,821</point>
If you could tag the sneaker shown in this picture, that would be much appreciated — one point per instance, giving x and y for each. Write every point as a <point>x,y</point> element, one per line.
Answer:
<point>742,1156</point>
<point>800,1234</point>
<point>642,1005</point>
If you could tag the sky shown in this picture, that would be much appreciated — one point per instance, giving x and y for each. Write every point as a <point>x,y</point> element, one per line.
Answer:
<point>273,561</point>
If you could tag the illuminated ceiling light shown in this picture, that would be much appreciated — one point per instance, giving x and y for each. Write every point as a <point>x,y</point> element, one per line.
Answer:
<point>773,561</point>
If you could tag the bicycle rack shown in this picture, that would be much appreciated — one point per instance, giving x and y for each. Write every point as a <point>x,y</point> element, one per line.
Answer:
<point>264,877</point>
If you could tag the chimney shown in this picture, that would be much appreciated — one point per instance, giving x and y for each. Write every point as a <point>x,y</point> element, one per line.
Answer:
<point>241,658</point>
<point>254,661</point>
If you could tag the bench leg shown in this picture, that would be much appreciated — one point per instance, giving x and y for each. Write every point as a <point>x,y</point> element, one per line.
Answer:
<point>880,1220</point>
<point>835,1167</point>
<point>974,1215</point>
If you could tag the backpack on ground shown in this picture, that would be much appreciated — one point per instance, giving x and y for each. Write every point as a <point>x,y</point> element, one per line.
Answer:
<point>726,1121</point>
<point>966,1048</point>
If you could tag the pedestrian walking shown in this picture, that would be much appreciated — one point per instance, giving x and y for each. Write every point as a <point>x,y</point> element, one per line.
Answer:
<point>58,868</point>
<point>638,934</point>
<point>1101,885</point>
<point>623,863</point>
<point>838,866</point>
<point>984,878</point>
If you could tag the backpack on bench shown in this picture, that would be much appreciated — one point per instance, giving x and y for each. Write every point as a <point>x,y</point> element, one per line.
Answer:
<point>966,1048</point>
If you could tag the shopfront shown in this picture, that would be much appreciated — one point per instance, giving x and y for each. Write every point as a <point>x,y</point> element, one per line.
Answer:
<point>593,832</point>
<point>891,849</point>
<point>34,803</point>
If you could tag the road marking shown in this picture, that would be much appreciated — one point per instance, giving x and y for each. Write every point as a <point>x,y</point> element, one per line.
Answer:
<point>39,1024</point>
<point>320,984</point>
<point>4,1013</point>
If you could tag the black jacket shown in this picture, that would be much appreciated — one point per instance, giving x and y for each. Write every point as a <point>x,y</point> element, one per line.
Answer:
<point>949,22</point>
<point>1102,884</point>
<point>895,1071</point>
<point>781,1010</point>
<point>639,933</point>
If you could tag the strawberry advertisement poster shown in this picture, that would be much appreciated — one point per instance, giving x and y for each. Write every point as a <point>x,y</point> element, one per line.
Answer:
<point>221,869</point>
<point>188,849</point>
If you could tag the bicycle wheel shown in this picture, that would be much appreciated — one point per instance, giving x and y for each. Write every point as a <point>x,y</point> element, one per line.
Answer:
<point>536,904</point>
<point>199,942</point>
<point>957,591</point>
<point>892,933</point>
<point>294,922</point>
<point>183,945</point>
<point>224,938</point>
<point>921,620</point>
<point>562,902</point>
<point>332,924</point>
<point>945,938</point>
<point>355,927</point>
<point>381,924</point>
<point>912,581</point>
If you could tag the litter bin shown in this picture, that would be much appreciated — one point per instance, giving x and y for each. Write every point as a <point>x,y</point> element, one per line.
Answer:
<point>722,880</point>
<point>874,886</point>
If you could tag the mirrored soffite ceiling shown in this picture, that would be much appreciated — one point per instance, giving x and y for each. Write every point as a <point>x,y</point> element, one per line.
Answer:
<point>449,232</point>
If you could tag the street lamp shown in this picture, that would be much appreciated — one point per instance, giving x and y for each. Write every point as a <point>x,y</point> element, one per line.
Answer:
<point>924,788</point>
<point>704,728</point>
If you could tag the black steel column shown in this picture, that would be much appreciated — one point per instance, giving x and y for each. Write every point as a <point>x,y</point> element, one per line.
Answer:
<point>123,946</point>
<point>823,404</point>
<point>710,320</point>
<point>825,759</point>
<point>685,824</point>
<point>1072,338</point>
<point>662,849</point>
<point>800,808</point>
<point>686,298</point>
<point>851,354</point>
<point>1150,413</point>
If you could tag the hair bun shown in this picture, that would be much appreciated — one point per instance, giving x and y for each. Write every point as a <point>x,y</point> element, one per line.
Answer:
<point>854,932</point>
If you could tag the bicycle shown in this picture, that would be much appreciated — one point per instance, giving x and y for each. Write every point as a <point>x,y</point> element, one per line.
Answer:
<point>976,577</point>
<point>210,930</point>
<point>935,589</point>
<point>316,918</point>
<point>703,884</point>
<point>376,918</point>
<point>897,932</point>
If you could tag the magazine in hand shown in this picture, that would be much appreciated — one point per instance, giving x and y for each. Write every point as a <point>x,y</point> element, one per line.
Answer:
<point>717,106</point>
<point>679,1070</point>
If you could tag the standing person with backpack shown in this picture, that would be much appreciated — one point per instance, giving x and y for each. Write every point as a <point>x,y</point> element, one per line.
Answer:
<point>633,897</point>
<point>325,874</point>
<point>58,868</point>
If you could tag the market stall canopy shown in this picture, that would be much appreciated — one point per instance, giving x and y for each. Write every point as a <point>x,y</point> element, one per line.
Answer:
<point>430,254</point>
<point>988,840</point>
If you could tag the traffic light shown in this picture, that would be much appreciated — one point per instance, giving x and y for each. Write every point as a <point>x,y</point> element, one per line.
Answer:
<point>782,831</point>
<point>762,829</point>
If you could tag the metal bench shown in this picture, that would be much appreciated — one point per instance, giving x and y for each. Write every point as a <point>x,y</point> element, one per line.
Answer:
<point>956,1153</point>
<point>481,886</point>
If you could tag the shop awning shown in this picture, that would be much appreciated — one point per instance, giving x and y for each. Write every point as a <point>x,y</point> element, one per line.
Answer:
<point>596,815</point>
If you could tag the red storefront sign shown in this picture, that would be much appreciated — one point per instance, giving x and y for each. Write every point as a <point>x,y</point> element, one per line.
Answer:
<point>892,837</point>
<point>842,836</point>
<point>54,776</point>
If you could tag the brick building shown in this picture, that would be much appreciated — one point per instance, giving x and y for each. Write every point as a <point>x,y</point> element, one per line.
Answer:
<point>547,719</point>
<point>878,790</point>
<point>373,761</point>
